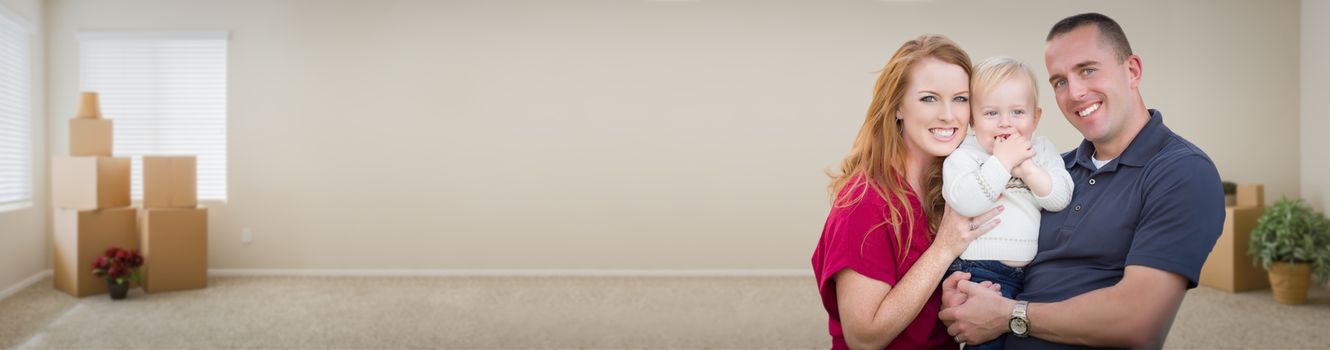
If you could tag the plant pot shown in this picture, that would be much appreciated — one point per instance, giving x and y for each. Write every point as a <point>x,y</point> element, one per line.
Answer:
<point>1290,282</point>
<point>119,291</point>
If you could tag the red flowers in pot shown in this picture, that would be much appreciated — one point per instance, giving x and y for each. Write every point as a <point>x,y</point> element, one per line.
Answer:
<point>119,267</point>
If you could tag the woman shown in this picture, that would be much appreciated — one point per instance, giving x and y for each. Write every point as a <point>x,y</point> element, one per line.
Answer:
<point>887,241</point>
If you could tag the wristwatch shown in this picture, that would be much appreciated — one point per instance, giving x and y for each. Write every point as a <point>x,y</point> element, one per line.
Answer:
<point>1020,325</point>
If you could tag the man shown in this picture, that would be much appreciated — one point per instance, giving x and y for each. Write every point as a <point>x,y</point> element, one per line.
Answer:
<point>1113,267</point>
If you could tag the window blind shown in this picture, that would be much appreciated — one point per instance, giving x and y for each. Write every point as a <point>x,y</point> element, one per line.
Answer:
<point>166,93</point>
<point>15,112</point>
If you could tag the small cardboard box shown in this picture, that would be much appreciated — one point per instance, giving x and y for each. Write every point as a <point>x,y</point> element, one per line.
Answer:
<point>89,106</point>
<point>90,137</point>
<point>86,183</point>
<point>1250,195</point>
<point>170,182</point>
<point>175,249</point>
<point>83,235</point>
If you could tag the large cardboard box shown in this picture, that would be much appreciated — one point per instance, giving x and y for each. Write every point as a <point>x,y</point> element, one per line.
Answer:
<point>1229,267</point>
<point>83,235</point>
<point>86,183</point>
<point>170,182</point>
<point>90,137</point>
<point>175,249</point>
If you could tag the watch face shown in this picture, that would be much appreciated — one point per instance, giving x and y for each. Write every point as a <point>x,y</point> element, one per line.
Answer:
<point>1019,327</point>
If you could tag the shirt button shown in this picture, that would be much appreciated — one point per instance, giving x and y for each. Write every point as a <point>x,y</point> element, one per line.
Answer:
<point>1078,207</point>
<point>1091,182</point>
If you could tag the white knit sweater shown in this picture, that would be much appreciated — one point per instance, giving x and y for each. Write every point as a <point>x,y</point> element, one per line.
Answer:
<point>973,181</point>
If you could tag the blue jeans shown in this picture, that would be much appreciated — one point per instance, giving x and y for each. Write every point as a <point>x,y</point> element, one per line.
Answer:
<point>1010,278</point>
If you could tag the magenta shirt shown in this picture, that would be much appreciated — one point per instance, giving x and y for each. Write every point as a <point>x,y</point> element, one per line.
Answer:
<point>853,240</point>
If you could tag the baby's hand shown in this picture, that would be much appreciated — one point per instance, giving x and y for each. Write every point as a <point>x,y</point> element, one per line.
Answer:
<point>1019,171</point>
<point>1012,151</point>
<point>991,286</point>
<point>1025,168</point>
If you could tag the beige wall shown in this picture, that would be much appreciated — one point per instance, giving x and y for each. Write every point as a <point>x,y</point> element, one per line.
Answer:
<point>24,244</point>
<point>628,134</point>
<point>1315,91</point>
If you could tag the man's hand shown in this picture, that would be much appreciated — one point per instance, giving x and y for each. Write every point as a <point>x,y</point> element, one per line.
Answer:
<point>982,315</point>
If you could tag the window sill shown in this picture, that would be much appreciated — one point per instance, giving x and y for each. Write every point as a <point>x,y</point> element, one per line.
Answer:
<point>16,206</point>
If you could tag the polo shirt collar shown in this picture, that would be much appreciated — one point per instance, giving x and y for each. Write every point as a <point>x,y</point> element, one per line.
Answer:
<point>1147,143</point>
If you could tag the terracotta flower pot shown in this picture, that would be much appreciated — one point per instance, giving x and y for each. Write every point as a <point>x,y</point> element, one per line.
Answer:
<point>1290,282</point>
<point>119,291</point>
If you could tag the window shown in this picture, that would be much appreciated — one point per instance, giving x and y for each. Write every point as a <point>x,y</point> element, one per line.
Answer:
<point>15,112</point>
<point>166,93</point>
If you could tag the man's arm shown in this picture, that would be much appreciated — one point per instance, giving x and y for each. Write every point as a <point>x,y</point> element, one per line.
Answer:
<point>1133,313</point>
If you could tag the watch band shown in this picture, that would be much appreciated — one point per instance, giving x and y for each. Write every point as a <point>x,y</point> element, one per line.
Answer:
<point>1020,323</point>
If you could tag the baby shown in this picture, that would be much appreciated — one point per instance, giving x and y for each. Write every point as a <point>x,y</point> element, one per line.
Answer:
<point>1004,164</point>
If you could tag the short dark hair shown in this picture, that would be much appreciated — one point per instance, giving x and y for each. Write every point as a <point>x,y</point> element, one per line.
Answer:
<point>1109,31</point>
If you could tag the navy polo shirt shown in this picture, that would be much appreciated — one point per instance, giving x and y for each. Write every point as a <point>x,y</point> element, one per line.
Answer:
<point>1159,204</point>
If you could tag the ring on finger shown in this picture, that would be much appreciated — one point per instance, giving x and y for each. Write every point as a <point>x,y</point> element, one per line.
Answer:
<point>973,225</point>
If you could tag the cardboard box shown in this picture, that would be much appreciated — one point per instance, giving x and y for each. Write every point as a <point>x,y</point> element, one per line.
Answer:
<point>170,182</point>
<point>86,183</point>
<point>83,235</point>
<point>89,107</point>
<point>175,249</point>
<point>1229,267</point>
<point>1250,195</point>
<point>90,137</point>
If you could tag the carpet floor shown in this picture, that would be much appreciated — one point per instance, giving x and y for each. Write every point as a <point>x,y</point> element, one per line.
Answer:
<point>535,312</point>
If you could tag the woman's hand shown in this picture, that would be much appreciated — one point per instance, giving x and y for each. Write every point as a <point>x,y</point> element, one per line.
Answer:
<point>956,232</point>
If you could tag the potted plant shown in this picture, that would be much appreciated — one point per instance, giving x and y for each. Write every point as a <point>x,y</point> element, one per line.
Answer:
<point>119,267</point>
<point>1292,242</point>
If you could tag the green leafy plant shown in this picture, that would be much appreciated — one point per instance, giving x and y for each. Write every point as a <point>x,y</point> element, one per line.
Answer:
<point>1290,232</point>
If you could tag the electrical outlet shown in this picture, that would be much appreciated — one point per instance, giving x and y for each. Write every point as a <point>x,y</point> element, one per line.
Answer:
<point>246,236</point>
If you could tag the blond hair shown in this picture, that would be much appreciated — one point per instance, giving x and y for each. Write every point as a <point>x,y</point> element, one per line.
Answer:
<point>996,70</point>
<point>879,152</point>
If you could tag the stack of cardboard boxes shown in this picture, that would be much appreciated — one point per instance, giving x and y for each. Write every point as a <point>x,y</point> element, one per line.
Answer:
<point>90,196</point>
<point>90,193</point>
<point>1229,267</point>
<point>175,227</point>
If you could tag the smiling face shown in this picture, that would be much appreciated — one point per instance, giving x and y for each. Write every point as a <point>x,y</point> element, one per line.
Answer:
<point>1006,109</point>
<point>935,108</point>
<point>1095,88</point>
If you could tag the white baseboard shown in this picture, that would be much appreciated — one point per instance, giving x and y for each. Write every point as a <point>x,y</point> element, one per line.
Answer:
<point>24,284</point>
<point>513,272</point>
